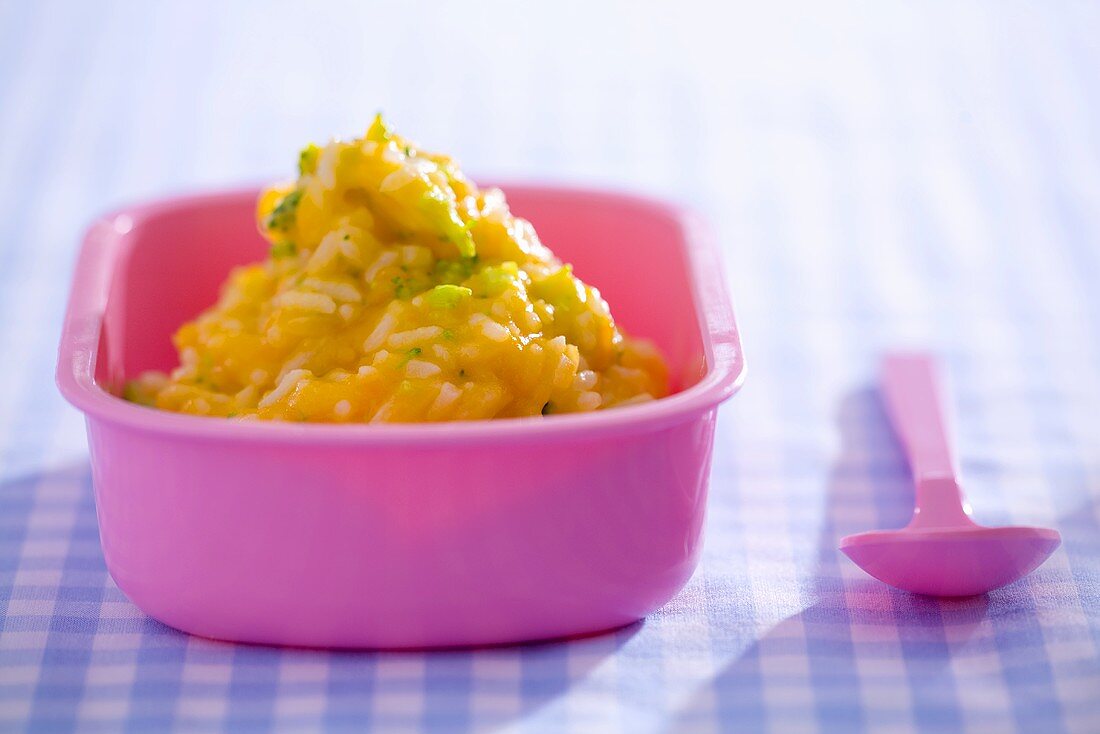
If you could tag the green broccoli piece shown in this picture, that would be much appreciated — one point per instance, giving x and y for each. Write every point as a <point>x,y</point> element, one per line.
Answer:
<point>442,213</point>
<point>446,296</point>
<point>410,355</point>
<point>561,290</point>
<point>284,249</point>
<point>282,217</point>
<point>307,159</point>
<point>496,279</point>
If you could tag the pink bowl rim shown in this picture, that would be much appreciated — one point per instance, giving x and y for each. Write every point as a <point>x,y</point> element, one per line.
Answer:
<point>79,347</point>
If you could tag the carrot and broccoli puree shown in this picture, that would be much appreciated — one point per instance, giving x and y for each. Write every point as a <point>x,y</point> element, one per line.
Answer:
<point>396,290</point>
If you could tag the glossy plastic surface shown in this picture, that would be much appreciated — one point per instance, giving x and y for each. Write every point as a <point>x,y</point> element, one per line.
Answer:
<point>402,535</point>
<point>941,552</point>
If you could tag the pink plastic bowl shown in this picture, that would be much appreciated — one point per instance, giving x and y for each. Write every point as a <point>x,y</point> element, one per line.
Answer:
<point>398,535</point>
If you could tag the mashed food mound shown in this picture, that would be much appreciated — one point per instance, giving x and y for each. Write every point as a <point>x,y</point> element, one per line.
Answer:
<point>398,291</point>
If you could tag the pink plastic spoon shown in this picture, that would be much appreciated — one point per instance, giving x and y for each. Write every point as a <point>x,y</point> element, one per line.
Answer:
<point>941,551</point>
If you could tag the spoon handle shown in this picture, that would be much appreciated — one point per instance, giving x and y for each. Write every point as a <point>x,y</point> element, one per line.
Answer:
<point>914,399</point>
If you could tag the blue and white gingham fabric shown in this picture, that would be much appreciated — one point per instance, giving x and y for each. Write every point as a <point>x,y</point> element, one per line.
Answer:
<point>879,176</point>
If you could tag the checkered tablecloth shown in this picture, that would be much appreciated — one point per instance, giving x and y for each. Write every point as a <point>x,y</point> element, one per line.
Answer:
<point>879,175</point>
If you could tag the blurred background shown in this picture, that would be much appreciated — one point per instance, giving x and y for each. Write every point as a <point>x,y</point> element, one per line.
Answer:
<point>879,174</point>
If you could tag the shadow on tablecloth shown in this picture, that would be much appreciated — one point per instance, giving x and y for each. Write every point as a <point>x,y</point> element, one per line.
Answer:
<point>865,657</point>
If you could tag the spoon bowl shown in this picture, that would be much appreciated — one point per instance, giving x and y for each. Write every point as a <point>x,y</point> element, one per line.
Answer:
<point>941,552</point>
<point>958,561</point>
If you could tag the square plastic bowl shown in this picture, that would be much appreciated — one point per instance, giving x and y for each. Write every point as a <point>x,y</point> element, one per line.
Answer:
<point>415,535</point>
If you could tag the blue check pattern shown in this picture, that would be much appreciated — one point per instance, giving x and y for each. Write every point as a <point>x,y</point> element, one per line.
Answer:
<point>907,176</point>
